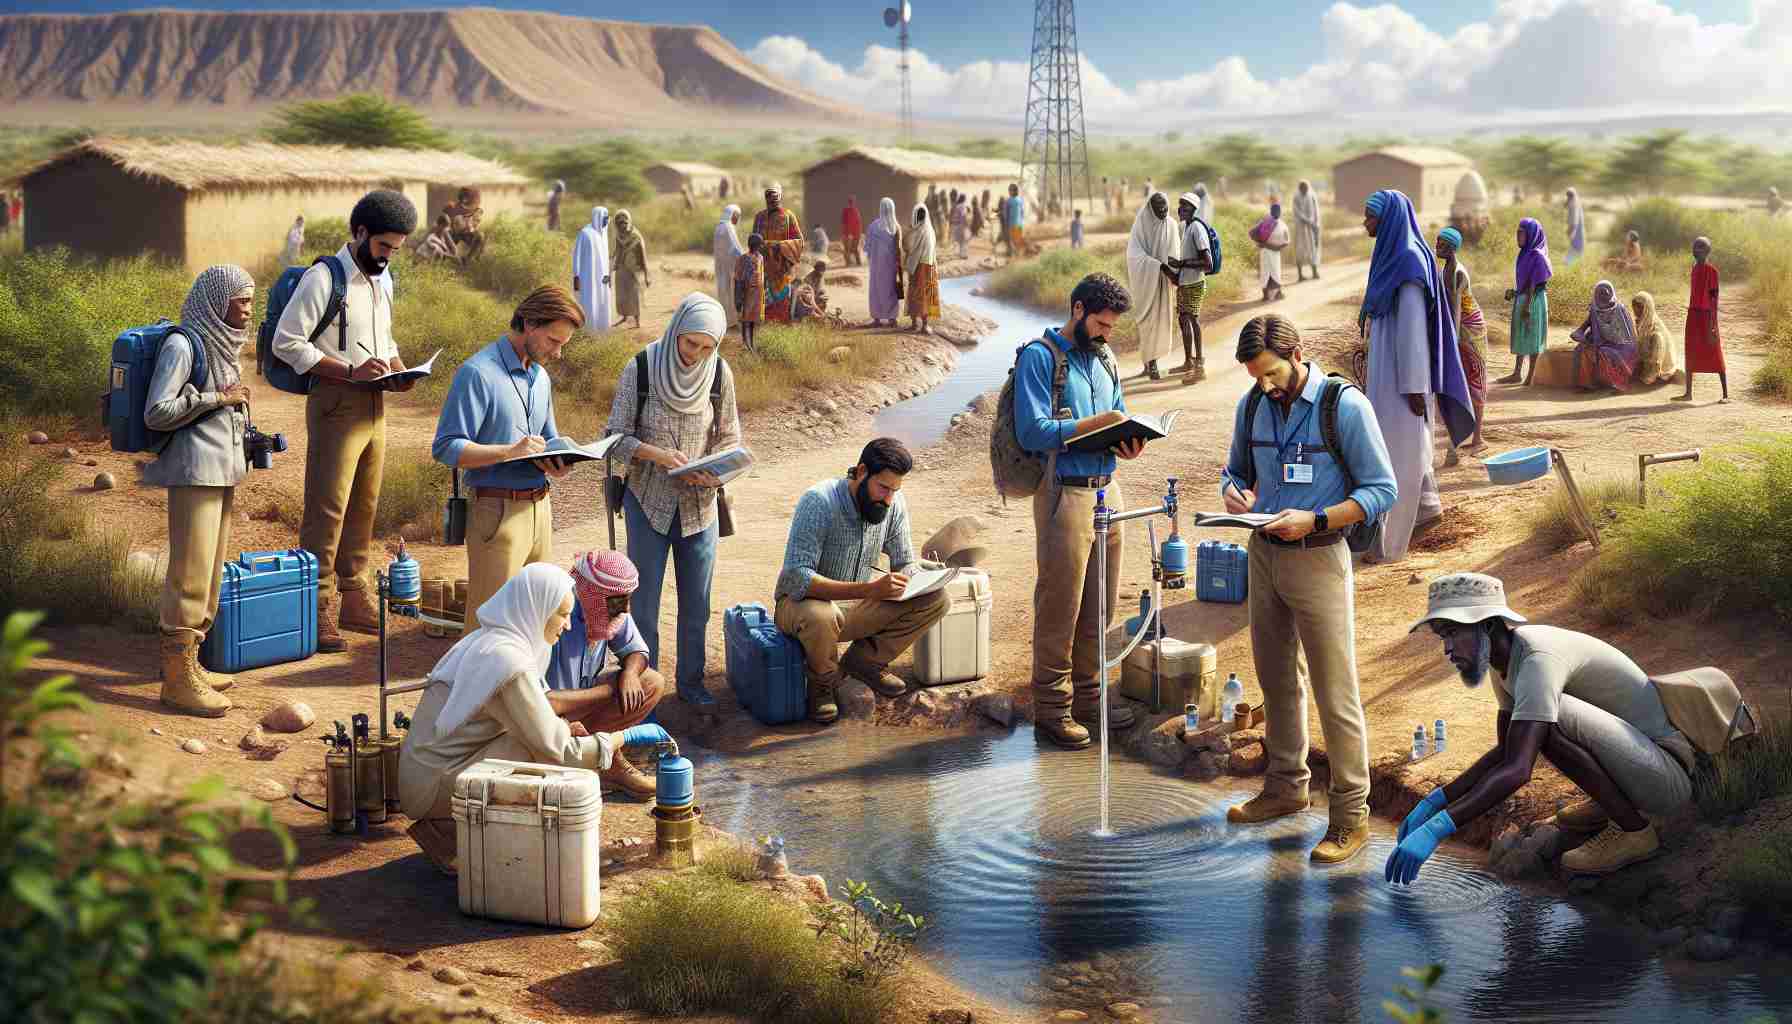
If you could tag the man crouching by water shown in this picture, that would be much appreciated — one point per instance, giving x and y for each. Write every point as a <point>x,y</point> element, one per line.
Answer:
<point>1584,705</point>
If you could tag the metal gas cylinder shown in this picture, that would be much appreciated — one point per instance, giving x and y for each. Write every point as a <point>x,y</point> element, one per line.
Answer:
<point>339,782</point>
<point>370,773</point>
<point>404,579</point>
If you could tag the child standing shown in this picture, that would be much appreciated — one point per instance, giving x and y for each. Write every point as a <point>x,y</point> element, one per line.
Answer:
<point>749,289</point>
<point>1076,230</point>
<point>1704,346</point>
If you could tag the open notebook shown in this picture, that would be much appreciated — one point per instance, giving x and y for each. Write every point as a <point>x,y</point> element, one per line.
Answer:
<point>567,451</point>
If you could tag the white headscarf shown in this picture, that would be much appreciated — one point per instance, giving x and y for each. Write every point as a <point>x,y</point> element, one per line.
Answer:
<point>727,240</point>
<point>511,639</point>
<point>681,388</point>
<point>1153,241</point>
<point>202,320</point>
<point>886,215</point>
<point>920,244</point>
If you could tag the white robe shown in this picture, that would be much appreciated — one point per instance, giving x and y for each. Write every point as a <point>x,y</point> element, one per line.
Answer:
<point>1153,295</point>
<point>1269,261</point>
<point>1400,365</point>
<point>727,250</point>
<point>591,264</point>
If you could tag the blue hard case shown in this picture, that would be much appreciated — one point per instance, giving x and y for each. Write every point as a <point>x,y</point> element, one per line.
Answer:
<point>267,612</point>
<point>1222,572</point>
<point>765,667</point>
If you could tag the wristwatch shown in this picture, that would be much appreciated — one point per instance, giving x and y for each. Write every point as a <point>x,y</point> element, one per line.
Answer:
<point>1321,524</point>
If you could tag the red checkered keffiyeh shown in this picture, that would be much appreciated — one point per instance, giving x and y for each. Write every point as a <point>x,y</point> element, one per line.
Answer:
<point>597,575</point>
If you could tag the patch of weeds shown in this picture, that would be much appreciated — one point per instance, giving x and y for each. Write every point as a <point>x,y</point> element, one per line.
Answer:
<point>263,989</point>
<point>1753,769</point>
<point>1554,523</point>
<point>878,935</point>
<point>412,492</point>
<point>1760,875</point>
<point>736,862</point>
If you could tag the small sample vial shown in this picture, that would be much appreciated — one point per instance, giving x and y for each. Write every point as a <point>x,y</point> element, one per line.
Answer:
<point>1437,737</point>
<point>1191,717</point>
<point>1418,741</point>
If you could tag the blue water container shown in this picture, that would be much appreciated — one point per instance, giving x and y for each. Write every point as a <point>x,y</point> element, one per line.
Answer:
<point>673,782</point>
<point>1222,572</point>
<point>766,669</point>
<point>267,612</point>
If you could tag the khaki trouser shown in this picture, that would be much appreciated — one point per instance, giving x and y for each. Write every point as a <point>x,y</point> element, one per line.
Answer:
<point>345,460</point>
<point>882,629</point>
<point>1303,614</point>
<point>198,536</point>
<point>1065,629</point>
<point>503,535</point>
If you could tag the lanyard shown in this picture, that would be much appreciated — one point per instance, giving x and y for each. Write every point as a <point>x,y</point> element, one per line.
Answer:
<point>1282,443</point>
<point>521,396</point>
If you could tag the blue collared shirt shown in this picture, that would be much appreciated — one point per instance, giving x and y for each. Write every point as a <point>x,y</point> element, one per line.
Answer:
<point>576,662</point>
<point>1088,390</point>
<point>1275,439</point>
<point>829,539</point>
<point>493,400</point>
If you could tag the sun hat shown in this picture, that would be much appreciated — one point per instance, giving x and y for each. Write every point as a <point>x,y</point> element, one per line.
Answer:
<point>1468,598</point>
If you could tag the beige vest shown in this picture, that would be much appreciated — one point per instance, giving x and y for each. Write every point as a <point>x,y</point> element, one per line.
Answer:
<point>1704,704</point>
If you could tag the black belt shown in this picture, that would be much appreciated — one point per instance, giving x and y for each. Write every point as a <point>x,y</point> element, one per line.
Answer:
<point>1311,540</point>
<point>1086,481</point>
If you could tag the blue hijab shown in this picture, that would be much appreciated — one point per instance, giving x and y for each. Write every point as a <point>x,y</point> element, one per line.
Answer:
<point>1402,257</point>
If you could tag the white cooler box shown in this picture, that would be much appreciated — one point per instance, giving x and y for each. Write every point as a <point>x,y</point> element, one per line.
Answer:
<point>526,837</point>
<point>956,648</point>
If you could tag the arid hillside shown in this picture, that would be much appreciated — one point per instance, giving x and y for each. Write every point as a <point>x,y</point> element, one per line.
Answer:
<point>462,60</point>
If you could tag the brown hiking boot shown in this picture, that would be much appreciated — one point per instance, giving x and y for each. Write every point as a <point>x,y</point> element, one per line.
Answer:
<point>1088,711</point>
<point>329,639</point>
<point>182,689</point>
<point>822,707</point>
<point>1264,807</point>
<point>435,836</point>
<point>360,613</point>
<point>1582,816</point>
<point>623,777</point>
<point>1340,844</point>
<point>216,680</point>
<point>881,680</point>
<point>1059,729</point>
<point>1611,850</point>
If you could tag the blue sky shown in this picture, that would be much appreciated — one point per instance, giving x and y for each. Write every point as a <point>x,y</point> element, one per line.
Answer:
<point>1277,39</point>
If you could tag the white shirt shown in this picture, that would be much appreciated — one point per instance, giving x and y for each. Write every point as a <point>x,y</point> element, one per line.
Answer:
<point>368,305</point>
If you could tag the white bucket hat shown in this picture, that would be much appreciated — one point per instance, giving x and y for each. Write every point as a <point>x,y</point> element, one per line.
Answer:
<point>1468,598</point>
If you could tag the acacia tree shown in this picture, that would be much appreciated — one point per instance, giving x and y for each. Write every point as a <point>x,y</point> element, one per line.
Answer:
<point>1239,156</point>
<point>362,121</point>
<point>1549,165</point>
<point>1653,164</point>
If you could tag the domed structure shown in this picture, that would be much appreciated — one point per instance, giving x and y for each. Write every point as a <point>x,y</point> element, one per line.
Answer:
<point>1469,210</point>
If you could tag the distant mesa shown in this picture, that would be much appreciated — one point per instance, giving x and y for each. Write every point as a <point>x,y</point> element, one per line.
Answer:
<point>463,60</point>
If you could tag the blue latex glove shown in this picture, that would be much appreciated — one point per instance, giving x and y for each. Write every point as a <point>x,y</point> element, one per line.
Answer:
<point>637,735</point>
<point>1404,863</point>
<point>1434,801</point>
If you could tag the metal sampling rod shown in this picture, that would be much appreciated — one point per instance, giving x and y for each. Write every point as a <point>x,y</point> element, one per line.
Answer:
<point>1643,462</point>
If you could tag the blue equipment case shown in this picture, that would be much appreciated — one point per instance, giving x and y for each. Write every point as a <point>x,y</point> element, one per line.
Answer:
<point>267,612</point>
<point>1222,572</point>
<point>765,667</point>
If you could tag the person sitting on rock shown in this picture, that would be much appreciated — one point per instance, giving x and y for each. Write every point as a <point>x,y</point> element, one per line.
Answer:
<point>839,528</point>
<point>817,286</point>
<point>1582,704</point>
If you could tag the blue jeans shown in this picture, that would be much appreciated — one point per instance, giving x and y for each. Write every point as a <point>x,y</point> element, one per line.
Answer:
<point>694,562</point>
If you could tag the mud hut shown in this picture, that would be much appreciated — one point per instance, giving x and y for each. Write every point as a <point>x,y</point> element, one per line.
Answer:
<point>671,178</point>
<point>1426,174</point>
<point>201,204</point>
<point>873,172</point>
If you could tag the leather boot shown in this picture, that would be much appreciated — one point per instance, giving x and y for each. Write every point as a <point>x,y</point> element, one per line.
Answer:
<point>182,688</point>
<point>329,638</point>
<point>1055,726</point>
<point>1087,710</point>
<point>216,680</point>
<point>881,680</point>
<point>822,707</point>
<point>360,612</point>
<point>623,777</point>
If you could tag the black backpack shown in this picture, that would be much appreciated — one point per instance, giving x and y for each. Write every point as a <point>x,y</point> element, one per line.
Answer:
<point>1360,536</point>
<point>614,485</point>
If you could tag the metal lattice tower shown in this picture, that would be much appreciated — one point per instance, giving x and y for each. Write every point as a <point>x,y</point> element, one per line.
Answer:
<point>1055,145</point>
<point>899,17</point>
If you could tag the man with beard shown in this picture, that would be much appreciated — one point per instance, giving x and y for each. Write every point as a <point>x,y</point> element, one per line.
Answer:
<point>345,417</point>
<point>1050,408</point>
<point>1625,740</point>
<point>836,534</point>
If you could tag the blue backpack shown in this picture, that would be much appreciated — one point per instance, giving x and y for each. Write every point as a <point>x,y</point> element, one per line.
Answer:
<point>1213,246</point>
<point>276,370</point>
<point>134,354</point>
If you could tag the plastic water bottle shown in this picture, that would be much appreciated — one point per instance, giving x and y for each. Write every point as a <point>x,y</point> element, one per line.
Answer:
<point>1230,696</point>
<point>1418,741</point>
<point>1191,718</point>
<point>1437,737</point>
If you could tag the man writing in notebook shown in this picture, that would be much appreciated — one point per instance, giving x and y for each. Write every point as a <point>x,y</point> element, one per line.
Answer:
<point>829,590</point>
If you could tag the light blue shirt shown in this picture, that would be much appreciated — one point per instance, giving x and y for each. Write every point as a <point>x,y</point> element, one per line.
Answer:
<point>1017,212</point>
<point>493,400</point>
<point>1275,439</point>
<point>576,662</point>
<point>829,539</point>
<point>1088,390</point>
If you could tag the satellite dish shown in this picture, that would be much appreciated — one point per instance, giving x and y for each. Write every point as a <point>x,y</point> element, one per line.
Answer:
<point>890,17</point>
<point>908,13</point>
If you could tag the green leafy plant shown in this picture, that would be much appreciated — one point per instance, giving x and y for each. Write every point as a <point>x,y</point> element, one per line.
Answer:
<point>878,935</point>
<point>1549,165</point>
<point>1417,1007</point>
<point>358,121</point>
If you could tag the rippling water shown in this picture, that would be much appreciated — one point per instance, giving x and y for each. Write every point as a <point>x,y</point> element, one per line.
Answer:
<point>1198,919</point>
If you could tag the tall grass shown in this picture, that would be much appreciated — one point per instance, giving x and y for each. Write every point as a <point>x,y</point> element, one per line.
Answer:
<point>519,256</point>
<point>1771,291</point>
<point>411,493</point>
<point>1754,769</point>
<point>1760,875</point>
<point>1554,523</point>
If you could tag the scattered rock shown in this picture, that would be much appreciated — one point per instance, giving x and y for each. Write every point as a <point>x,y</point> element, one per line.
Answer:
<point>957,418</point>
<point>997,707</point>
<point>193,746</point>
<point>450,976</point>
<point>591,946</point>
<point>469,991</point>
<point>416,964</point>
<point>1164,746</point>
<point>256,739</point>
<point>1247,761</point>
<point>1708,947</point>
<point>1727,920</point>
<point>113,763</point>
<point>293,716</point>
<point>816,885</point>
<point>90,462</point>
<point>104,482</point>
<point>70,453</point>
<point>951,1017</point>
<point>922,702</point>
<point>153,731</point>
<point>38,437</point>
<point>268,790</point>
<point>985,404</point>
<point>494,971</point>
<point>1205,766</point>
<point>1243,738</point>
<point>856,700</point>
<point>828,406</point>
<point>1059,983</point>
<point>1544,842</point>
<point>1414,578</point>
<point>1070,1015</point>
<point>1669,937</point>
<point>1123,1011</point>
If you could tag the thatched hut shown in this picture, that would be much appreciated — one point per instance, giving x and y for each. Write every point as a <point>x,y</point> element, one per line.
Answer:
<point>672,178</point>
<point>201,204</point>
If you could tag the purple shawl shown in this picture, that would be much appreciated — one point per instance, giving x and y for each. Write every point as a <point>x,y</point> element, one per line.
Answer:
<point>1533,256</point>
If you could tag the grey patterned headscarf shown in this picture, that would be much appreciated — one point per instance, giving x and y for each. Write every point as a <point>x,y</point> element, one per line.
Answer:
<point>202,319</point>
<point>681,388</point>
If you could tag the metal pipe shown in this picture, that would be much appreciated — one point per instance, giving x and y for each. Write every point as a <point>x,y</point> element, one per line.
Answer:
<point>1101,640</point>
<point>1643,462</point>
<point>383,584</point>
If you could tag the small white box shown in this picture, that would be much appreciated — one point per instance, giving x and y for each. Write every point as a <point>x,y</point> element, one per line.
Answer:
<point>526,837</point>
<point>956,648</point>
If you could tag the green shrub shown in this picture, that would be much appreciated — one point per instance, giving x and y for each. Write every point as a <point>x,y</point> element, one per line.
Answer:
<point>736,862</point>
<point>111,912</point>
<point>1760,875</point>
<point>668,227</point>
<point>1753,769</point>
<point>518,258</point>
<point>1771,291</point>
<point>1554,523</point>
<point>411,492</point>
<point>359,121</point>
<point>609,171</point>
<point>433,306</point>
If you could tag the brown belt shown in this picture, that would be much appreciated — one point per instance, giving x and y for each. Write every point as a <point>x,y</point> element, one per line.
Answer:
<point>509,495</point>
<point>1311,540</point>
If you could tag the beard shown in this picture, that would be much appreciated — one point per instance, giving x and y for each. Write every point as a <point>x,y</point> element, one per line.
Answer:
<point>1474,672</point>
<point>364,257</point>
<point>1083,341</point>
<point>870,511</point>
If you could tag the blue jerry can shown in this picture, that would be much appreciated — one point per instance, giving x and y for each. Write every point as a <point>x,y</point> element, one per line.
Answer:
<point>765,667</point>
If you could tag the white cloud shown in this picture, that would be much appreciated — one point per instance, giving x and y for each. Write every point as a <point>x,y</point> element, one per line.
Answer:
<point>1557,56</point>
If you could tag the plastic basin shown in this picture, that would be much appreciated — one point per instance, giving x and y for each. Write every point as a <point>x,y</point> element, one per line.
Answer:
<point>1515,467</point>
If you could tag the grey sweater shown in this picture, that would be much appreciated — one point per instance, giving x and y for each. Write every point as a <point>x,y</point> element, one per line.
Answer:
<point>827,538</point>
<point>206,454</point>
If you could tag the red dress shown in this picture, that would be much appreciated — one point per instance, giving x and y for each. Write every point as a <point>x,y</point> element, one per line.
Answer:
<point>1704,346</point>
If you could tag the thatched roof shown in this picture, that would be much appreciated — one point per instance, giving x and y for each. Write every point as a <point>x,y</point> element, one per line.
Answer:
<point>197,166</point>
<point>690,170</point>
<point>918,163</point>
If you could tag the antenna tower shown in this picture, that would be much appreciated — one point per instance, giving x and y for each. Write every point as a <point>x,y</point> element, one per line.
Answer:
<point>898,18</point>
<point>1055,146</point>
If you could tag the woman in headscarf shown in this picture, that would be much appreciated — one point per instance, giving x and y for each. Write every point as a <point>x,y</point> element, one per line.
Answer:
<point>1306,230</point>
<point>1577,228</point>
<point>1605,343</point>
<point>295,242</point>
<point>1271,236</point>
<point>487,698</point>
<point>628,267</point>
<point>919,250</point>
<point>1704,346</point>
<point>1149,248</point>
<point>728,251</point>
<point>591,270</point>
<point>883,251</point>
<point>1654,355</point>
<point>1471,332</point>
<point>196,393</point>
<point>1205,209</point>
<point>961,225</point>
<point>555,194</point>
<point>1530,299</point>
<point>689,413</point>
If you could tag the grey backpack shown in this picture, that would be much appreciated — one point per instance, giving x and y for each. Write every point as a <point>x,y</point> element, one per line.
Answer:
<point>1018,472</point>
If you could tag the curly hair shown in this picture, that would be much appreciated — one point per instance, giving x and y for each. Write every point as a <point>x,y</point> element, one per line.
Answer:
<point>384,212</point>
<point>1100,293</point>
<point>1270,332</point>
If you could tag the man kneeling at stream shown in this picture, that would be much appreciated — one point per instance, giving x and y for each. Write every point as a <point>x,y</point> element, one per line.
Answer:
<point>1582,704</point>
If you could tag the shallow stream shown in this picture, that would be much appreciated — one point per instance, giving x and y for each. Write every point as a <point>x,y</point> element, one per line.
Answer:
<point>1195,919</point>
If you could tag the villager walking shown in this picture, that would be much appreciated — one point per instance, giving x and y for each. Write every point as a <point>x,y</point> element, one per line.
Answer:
<point>1150,247</point>
<point>1076,230</point>
<point>1271,236</point>
<point>1016,222</point>
<point>1471,333</point>
<point>883,252</point>
<point>1577,228</point>
<point>1530,300</point>
<point>1191,286</point>
<point>749,290</point>
<point>1306,230</point>
<point>295,243</point>
<point>961,225</point>
<point>1704,344</point>
<point>628,273</point>
<point>852,232</point>
<point>555,194</point>
<point>783,252</point>
<point>728,252</point>
<point>920,251</point>
<point>591,271</point>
